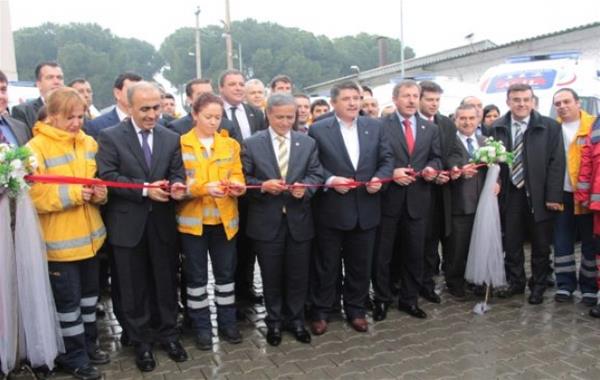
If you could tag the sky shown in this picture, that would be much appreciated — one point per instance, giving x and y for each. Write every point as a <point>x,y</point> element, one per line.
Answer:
<point>429,26</point>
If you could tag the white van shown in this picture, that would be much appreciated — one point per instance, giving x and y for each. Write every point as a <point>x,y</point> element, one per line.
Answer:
<point>546,74</point>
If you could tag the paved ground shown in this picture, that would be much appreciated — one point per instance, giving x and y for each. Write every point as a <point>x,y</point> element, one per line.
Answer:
<point>512,341</point>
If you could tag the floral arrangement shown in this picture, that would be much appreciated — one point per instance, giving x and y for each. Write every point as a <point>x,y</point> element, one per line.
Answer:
<point>15,164</point>
<point>493,152</point>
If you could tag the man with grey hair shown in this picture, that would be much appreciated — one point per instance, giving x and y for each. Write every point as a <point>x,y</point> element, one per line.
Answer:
<point>141,223</point>
<point>255,93</point>
<point>280,222</point>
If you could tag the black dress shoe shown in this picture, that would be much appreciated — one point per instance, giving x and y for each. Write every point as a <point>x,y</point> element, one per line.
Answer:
<point>204,341</point>
<point>595,311</point>
<point>175,351</point>
<point>430,295</point>
<point>97,356</point>
<point>379,311</point>
<point>144,360</point>
<point>231,335</point>
<point>537,296</point>
<point>274,336</point>
<point>86,372</point>
<point>458,293</point>
<point>301,334</point>
<point>125,342</point>
<point>412,310</point>
<point>510,291</point>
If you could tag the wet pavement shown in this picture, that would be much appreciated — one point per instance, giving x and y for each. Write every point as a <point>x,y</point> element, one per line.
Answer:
<point>514,340</point>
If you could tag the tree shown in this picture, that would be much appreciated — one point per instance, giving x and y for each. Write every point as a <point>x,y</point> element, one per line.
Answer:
<point>85,50</point>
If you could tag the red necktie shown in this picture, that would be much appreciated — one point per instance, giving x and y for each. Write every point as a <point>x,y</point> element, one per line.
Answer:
<point>408,135</point>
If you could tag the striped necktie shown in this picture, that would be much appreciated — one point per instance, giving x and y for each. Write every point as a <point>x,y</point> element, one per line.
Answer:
<point>282,156</point>
<point>516,170</point>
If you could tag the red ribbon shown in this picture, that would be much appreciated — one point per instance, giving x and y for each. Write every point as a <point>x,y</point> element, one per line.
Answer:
<point>61,180</point>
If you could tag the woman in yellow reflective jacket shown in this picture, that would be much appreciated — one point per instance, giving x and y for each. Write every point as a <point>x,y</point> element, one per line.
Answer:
<point>71,226</point>
<point>208,220</point>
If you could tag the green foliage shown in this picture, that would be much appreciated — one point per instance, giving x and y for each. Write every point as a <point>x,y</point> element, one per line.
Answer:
<point>269,49</point>
<point>85,50</point>
<point>15,164</point>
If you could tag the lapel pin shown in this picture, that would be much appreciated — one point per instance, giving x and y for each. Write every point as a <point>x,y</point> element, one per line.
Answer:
<point>422,127</point>
<point>366,132</point>
<point>297,143</point>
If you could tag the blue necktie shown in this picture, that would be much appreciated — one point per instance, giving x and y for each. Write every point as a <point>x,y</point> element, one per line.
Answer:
<point>470,147</point>
<point>146,147</point>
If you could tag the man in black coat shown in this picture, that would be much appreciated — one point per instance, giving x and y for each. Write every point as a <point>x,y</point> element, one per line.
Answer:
<point>48,76</point>
<point>141,223</point>
<point>246,120</point>
<point>531,188</point>
<point>464,189</point>
<point>415,145</point>
<point>351,148</point>
<point>280,219</point>
<point>12,131</point>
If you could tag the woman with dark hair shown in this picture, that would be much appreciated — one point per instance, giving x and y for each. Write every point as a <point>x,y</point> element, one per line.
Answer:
<point>208,220</point>
<point>72,227</point>
<point>490,114</point>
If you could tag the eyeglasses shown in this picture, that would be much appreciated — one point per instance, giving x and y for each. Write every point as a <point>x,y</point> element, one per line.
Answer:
<point>148,108</point>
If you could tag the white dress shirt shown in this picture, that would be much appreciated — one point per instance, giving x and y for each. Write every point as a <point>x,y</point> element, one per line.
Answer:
<point>275,142</point>
<point>350,136</point>
<point>122,115</point>
<point>463,139</point>
<point>413,124</point>
<point>150,144</point>
<point>524,123</point>
<point>242,118</point>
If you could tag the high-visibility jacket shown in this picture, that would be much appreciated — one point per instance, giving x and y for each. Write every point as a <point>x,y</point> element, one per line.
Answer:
<point>224,163</point>
<point>73,229</point>
<point>574,154</point>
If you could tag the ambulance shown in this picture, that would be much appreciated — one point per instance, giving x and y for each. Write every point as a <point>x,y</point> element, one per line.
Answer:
<point>546,74</point>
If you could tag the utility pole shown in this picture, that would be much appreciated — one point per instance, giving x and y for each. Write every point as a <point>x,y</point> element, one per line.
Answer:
<point>198,56</point>
<point>228,43</point>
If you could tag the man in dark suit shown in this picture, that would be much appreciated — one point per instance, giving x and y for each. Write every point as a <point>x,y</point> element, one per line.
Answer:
<point>532,189</point>
<point>141,223</point>
<point>279,218</point>
<point>438,220</point>
<point>416,146</point>
<point>246,120</point>
<point>48,76</point>
<point>351,148</point>
<point>464,190</point>
<point>12,131</point>
<point>119,112</point>
<point>193,89</point>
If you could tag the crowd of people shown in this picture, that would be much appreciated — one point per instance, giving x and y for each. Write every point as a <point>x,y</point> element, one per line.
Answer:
<point>332,198</point>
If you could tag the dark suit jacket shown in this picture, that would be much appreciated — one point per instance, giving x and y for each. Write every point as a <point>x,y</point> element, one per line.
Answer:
<point>21,131</point>
<point>120,158</point>
<point>28,111</point>
<point>447,136</point>
<point>357,208</point>
<point>426,152</point>
<point>465,191</point>
<point>543,162</point>
<point>184,124</point>
<point>265,210</point>
<point>256,119</point>
<point>95,126</point>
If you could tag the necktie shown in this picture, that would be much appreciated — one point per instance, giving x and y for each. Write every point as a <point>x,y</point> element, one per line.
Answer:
<point>408,135</point>
<point>517,165</point>
<point>282,156</point>
<point>234,120</point>
<point>146,147</point>
<point>470,146</point>
<point>3,139</point>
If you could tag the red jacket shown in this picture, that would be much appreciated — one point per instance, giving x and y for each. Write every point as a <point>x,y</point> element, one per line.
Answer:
<point>588,184</point>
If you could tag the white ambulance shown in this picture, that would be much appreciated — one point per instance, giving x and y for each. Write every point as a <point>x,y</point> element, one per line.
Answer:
<point>546,74</point>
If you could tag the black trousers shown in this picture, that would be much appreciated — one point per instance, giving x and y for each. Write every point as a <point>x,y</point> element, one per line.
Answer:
<point>355,248</point>
<point>458,247</point>
<point>411,235</point>
<point>75,287</point>
<point>434,236</point>
<point>284,265</point>
<point>518,219</point>
<point>246,256</point>
<point>147,287</point>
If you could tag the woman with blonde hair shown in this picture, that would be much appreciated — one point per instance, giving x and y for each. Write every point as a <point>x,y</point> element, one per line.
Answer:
<point>71,226</point>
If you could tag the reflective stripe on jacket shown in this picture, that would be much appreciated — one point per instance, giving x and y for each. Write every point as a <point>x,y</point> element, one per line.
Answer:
<point>224,163</point>
<point>72,229</point>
